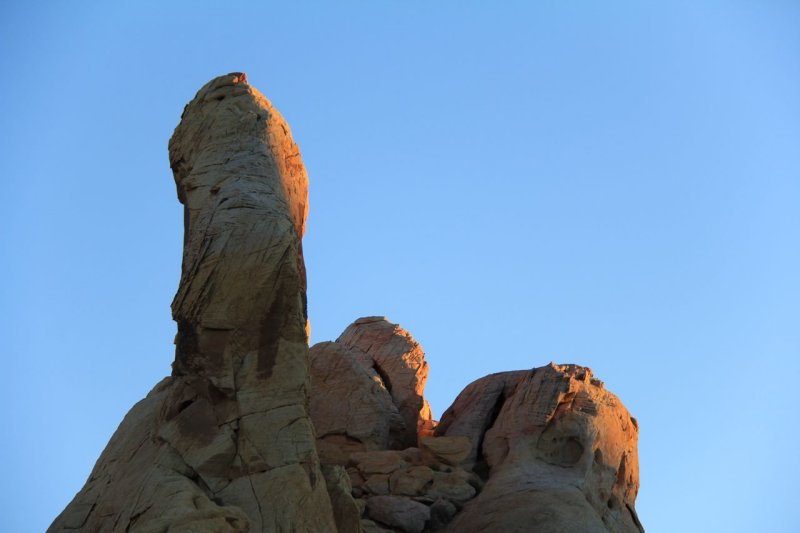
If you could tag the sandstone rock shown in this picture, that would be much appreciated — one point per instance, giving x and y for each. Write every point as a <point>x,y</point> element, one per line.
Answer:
<point>378,462</point>
<point>411,482</point>
<point>400,362</point>
<point>446,450</point>
<point>377,484</point>
<point>560,449</point>
<point>412,456</point>
<point>346,512</point>
<point>442,512</point>
<point>427,428</point>
<point>226,444</point>
<point>476,409</point>
<point>369,526</point>
<point>362,506</point>
<point>356,478</point>
<point>350,407</point>
<point>398,512</point>
<point>456,486</point>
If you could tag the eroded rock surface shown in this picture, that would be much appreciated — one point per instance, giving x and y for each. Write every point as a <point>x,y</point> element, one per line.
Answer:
<point>226,443</point>
<point>368,390</point>
<point>351,408</point>
<point>400,361</point>
<point>558,450</point>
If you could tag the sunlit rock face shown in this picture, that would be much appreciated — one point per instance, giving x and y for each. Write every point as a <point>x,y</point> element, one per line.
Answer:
<point>254,432</point>
<point>559,453</point>
<point>368,390</point>
<point>547,449</point>
<point>226,443</point>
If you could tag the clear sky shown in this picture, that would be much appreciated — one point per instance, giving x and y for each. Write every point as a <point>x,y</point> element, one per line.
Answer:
<point>614,184</point>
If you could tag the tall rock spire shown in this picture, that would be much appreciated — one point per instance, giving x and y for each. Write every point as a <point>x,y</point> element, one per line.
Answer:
<point>226,443</point>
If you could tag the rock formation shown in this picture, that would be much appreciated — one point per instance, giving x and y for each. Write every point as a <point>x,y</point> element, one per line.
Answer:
<point>255,432</point>
<point>547,449</point>
<point>558,450</point>
<point>368,390</point>
<point>226,443</point>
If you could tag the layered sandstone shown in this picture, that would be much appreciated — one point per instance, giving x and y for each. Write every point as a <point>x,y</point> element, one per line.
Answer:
<point>226,443</point>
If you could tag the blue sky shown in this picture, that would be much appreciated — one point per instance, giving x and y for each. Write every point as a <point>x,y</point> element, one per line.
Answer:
<point>610,184</point>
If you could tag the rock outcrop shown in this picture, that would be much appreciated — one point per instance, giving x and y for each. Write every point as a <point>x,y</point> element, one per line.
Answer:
<point>368,390</point>
<point>255,432</point>
<point>547,449</point>
<point>226,443</point>
<point>559,453</point>
<point>400,361</point>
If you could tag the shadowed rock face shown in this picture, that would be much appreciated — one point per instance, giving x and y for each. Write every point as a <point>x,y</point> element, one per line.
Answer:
<point>225,444</point>
<point>400,361</point>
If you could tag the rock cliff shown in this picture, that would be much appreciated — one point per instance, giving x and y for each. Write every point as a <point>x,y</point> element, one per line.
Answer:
<point>255,432</point>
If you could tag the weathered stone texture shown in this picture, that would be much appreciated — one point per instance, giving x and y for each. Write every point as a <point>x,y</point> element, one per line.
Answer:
<point>226,444</point>
<point>367,390</point>
<point>400,361</point>
<point>254,432</point>
<point>350,406</point>
<point>559,451</point>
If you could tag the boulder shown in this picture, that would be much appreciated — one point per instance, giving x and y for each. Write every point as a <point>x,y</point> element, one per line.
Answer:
<point>349,404</point>
<point>346,512</point>
<point>398,512</point>
<point>411,482</point>
<point>561,453</point>
<point>442,512</point>
<point>445,450</point>
<point>400,362</point>
<point>455,486</point>
<point>378,462</point>
<point>377,484</point>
